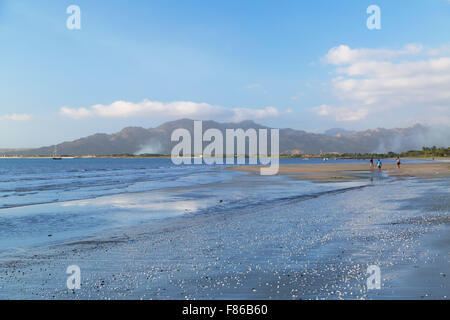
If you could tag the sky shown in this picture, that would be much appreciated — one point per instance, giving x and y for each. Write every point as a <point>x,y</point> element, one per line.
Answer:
<point>309,65</point>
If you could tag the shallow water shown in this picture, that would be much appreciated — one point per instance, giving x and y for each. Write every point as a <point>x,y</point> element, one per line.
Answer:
<point>66,203</point>
<point>203,232</point>
<point>35,181</point>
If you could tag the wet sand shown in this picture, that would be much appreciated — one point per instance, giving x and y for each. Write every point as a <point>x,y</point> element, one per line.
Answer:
<point>330,172</point>
<point>310,246</point>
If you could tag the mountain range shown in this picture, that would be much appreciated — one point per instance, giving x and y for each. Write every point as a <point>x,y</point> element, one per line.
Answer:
<point>138,140</point>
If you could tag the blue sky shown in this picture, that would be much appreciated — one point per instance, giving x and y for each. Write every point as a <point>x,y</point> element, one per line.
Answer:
<point>308,65</point>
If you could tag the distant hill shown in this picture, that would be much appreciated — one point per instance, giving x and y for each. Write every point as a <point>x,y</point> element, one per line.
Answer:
<point>337,132</point>
<point>137,140</point>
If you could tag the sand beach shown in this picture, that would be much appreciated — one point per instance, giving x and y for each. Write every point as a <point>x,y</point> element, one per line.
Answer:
<point>352,171</point>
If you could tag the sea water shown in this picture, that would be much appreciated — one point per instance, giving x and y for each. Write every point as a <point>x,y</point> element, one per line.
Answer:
<point>44,201</point>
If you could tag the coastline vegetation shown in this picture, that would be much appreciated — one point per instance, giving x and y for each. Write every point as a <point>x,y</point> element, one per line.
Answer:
<point>426,152</point>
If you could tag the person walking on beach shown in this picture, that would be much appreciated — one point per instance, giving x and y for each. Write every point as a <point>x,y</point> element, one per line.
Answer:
<point>379,164</point>
<point>371,163</point>
<point>398,162</point>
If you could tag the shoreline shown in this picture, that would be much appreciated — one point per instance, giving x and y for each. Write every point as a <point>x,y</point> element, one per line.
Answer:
<point>88,157</point>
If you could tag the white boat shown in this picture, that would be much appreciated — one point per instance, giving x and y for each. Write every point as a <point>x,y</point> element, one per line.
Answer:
<point>55,154</point>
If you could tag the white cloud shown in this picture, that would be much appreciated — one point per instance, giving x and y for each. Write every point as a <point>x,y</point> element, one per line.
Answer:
<point>175,110</point>
<point>371,81</point>
<point>253,86</point>
<point>297,96</point>
<point>16,117</point>
<point>345,55</point>
<point>341,113</point>
<point>75,113</point>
